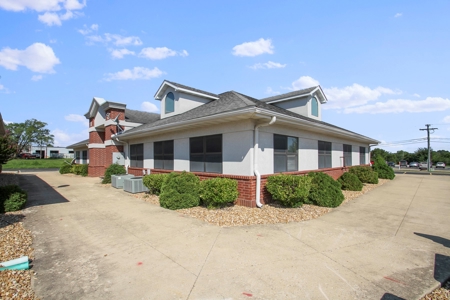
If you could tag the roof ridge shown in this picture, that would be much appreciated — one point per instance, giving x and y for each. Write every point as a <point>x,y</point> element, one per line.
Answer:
<point>244,98</point>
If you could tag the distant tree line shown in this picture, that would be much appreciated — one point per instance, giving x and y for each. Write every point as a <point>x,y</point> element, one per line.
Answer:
<point>420,155</point>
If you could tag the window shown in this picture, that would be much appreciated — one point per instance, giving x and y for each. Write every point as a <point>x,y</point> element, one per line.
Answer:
<point>85,154</point>
<point>347,155</point>
<point>314,107</point>
<point>324,154</point>
<point>163,155</point>
<point>362,155</point>
<point>137,155</point>
<point>206,154</point>
<point>285,154</point>
<point>170,103</point>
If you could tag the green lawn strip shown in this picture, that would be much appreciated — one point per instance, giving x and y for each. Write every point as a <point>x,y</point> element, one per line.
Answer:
<point>46,163</point>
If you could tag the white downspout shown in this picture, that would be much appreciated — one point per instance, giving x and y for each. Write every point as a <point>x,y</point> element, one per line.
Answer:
<point>126,143</point>
<point>255,160</point>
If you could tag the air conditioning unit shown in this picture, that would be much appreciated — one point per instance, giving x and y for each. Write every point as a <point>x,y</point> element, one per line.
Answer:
<point>117,180</point>
<point>134,185</point>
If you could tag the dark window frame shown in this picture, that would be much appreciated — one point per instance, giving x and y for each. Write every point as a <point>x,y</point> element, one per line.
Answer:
<point>137,155</point>
<point>205,159</point>
<point>325,158</point>
<point>169,108</point>
<point>282,155</point>
<point>362,155</point>
<point>347,155</point>
<point>163,159</point>
<point>84,154</point>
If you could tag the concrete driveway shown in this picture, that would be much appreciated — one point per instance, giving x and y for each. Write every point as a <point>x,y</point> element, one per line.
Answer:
<point>96,242</point>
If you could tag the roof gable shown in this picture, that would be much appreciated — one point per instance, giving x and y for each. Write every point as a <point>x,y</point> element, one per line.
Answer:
<point>183,88</point>
<point>315,90</point>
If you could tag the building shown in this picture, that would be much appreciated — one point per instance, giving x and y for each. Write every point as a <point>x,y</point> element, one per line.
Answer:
<point>228,135</point>
<point>52,152</point>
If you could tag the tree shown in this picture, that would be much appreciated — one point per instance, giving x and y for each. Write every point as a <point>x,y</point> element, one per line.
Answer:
<point>379,152</point>
<point>28,133</point>
<point>7,149</point>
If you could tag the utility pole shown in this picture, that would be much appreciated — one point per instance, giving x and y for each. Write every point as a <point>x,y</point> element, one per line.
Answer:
<point>428,138</point>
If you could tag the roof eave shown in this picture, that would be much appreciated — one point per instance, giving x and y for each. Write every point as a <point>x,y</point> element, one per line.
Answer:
<point>159,93</point>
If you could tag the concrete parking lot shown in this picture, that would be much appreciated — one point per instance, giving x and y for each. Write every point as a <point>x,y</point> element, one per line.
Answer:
<point>96,242</point>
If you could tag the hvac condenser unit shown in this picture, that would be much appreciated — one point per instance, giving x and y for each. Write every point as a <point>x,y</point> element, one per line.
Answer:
<point>117,180</point>
<point>134,185</point>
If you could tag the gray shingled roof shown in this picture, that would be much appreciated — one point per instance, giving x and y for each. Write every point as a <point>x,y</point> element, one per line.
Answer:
<point>227,102</point>
<point>191,89</point>
<point>137,116</point>
<point>78,144</point>
<point>291,94</point>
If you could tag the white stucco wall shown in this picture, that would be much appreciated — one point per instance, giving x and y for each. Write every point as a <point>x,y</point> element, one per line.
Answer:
<point>183,102</point>
<point>301,106</point>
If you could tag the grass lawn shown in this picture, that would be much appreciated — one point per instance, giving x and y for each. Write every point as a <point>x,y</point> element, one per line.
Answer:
<point>45,163</point>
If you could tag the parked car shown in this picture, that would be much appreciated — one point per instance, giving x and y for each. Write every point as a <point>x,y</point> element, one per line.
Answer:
<point>26,155</point>
<point>413,164</point>
<point>440,165</point>
<point>403,163</point>
<point>423,166</point>
<point>391,164</point>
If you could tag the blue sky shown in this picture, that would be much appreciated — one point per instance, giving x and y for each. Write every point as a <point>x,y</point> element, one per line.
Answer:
<point>382,64</point>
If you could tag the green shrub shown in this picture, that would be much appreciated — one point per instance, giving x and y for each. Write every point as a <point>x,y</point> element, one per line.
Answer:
<point>350,182</point>
<point>16,201</point>
<point>65,168</point>
<point>365,174</point>
<point>325,191</point>
<point>81,170</point>
<point>113,169</point>
<point>217,192</point>
<point>154,182</point>
<point>290,190</point>
<point>384,171</point>
<point>12,198</point>
<point>180,190</point>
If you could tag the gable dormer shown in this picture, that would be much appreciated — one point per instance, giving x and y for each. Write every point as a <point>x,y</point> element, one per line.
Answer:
<point>177,99</point>
<point>307,102</point>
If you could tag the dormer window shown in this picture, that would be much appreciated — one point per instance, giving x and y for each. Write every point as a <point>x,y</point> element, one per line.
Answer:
<point>170,103</point>
<point>314,107</point>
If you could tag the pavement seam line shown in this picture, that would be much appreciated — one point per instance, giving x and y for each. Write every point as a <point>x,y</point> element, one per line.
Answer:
<point>409,206</point>
<point>206,259</point>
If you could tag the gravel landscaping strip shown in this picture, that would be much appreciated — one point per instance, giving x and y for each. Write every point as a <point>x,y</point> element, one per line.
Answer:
<point>15,241</point>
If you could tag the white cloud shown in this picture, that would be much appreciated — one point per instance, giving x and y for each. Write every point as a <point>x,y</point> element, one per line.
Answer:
<point>63,138</point>
<point>36,77</point>
<point>3,89</point>
<point>446,119</point>
<point>86,30</point>
<point>53,41</point>
<point>430,104</point>
<point>38,58</point>
<point>255,48</point>
<point>303,83</point>
<point>50,9</point>
<point>416,95</point>
<point>116,39</point>
<point>267,65</point>
<point>76,118</point>
<point>135,73</point>
<point>120,53</point>
<point>160,53</point>
<point>354,95</point>
<point>270,91</point>
<point>148,106</point>
<point>397,15</point>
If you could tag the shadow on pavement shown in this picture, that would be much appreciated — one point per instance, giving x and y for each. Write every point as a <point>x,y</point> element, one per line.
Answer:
<point>389,296</point>
<point>9,219</point>
<point>39,192</point>
<point>437,239</point>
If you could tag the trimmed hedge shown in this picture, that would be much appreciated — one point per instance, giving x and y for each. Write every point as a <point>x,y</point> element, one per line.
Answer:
<point>365,174</point>
<point>180,190</point>
<point>350,182</point>
<point>80,170</point>
<point>217,192</point>
<point>65,169</point>
<point>113,169</point>
<point>290,190</point>
<point>384,171</point>
<point>154,182</point>
<point>325,191</point>
<point>12,198</point>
